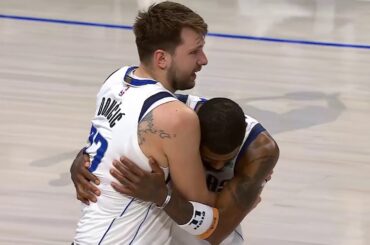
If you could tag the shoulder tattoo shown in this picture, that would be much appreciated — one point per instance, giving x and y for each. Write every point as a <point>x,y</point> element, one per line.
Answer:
<point>146,126</point>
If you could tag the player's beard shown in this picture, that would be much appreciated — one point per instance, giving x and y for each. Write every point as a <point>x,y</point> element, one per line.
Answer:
<point>179,81</point>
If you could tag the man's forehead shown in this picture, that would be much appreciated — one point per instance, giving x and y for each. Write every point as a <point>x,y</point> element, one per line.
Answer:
<point>192,38</point>
<point>205,152</point>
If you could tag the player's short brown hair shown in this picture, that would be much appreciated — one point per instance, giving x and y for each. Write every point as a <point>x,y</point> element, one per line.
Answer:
<point>160,27</point>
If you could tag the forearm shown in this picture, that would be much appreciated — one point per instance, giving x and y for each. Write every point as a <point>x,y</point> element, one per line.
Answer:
<point>239,196</point>
<point>233,206</point>
<point>228,222</point>
<point>179,209</point>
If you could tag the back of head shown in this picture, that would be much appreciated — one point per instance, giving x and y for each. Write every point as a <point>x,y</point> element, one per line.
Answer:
<point>160,27</point>
<point>222,124</point>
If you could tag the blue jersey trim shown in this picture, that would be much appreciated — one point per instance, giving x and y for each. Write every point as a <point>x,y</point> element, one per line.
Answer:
<point>201,102</point>
<point>182,97</point>
<point>138,229</point>
<point>256,130</point>
<point>124,210</point>
<point>151,100</point>
<point>136,82</point>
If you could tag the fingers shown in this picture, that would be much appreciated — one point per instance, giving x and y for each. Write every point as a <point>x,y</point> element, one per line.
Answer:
<point>82,197</point>
<point>155,166</point>
<point>122,179</point>
<point>132,167</point>
<point>86,189</point>
<point>86,157</point>
<point>85,196</point>
<point>80,166</point>
<point>121,189</point>
<point>88,186</point>
<point>126,172</point>
<point>83,200</point>
<point>87,174</point>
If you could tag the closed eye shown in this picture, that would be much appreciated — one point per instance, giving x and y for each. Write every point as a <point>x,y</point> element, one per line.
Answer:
<point>194,52</point>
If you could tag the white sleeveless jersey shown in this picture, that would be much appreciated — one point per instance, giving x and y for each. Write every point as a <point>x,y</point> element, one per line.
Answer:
<point>217,180</point>
<point>122,102</point>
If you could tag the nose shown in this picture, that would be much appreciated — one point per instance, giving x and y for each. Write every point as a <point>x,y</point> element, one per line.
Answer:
<point>202,61</point>
<point>218,165</point>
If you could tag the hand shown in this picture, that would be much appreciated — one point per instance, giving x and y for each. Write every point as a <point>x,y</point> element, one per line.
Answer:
<point>82,178</point>
<point>135,182</point>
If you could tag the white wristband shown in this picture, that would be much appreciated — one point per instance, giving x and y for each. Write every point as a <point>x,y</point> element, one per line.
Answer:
<point>203,222</point>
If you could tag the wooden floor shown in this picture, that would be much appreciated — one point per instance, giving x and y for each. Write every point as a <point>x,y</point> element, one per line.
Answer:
<point>313,97</point>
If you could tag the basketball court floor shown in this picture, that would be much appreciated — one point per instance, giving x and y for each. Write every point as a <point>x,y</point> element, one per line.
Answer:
<point>301,67</point>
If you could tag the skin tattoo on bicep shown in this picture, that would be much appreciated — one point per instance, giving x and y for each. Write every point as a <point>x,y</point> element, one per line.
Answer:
<point>146,126</point>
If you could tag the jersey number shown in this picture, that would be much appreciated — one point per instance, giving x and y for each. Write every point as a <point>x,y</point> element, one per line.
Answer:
<point>214,184</point>
<point>96,138</point>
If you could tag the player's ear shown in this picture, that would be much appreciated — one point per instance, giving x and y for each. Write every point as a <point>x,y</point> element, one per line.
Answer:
<point>161,59</point>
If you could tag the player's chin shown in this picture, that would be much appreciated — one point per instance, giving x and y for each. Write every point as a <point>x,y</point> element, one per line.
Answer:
<point>188,85</point>
<point>191,84</point>
<point>193,77</point>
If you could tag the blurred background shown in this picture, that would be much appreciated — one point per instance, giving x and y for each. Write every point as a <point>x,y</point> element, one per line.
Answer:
<point>300,67</point>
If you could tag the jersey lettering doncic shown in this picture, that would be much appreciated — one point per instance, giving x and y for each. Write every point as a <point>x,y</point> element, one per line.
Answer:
<point>122,102</point>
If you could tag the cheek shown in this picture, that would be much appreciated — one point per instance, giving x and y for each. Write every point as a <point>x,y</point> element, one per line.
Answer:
<point>189,62</point>
<point>185,69</point>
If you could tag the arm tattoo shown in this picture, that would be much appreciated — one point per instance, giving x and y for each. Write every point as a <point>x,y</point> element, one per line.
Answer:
<point>146,126</point>
<point>164,135</point>
<point>244,192</point>
<point>247,188</point>
<point>247,192</point>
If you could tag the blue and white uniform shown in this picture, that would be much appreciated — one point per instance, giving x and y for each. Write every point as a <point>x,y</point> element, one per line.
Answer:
<point>122,102</point>
<point>217,180</point>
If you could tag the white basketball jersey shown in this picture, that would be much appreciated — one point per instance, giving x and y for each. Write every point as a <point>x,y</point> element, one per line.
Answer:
<point>122,102</point>
<point>217,180</point>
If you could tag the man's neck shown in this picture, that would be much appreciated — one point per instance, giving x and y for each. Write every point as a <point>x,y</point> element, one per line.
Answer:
<point>145,72</point>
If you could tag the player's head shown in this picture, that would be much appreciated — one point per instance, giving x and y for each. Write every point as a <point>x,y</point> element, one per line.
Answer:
<point>223,126</point>
<point>170,37</point>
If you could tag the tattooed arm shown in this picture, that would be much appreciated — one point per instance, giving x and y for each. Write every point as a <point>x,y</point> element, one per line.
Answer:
<point>239,195</point>
<point>234,201</point>
<point>171,134</point>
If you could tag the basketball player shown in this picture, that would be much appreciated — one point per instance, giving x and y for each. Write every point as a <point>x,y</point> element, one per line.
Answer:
<point>137,115</point>
<point>242,164</point>
<point>239,172</point>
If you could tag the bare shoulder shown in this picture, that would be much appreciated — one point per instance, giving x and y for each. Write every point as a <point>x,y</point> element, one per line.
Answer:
<point>165,127</point>
<point>263,145</point>
<point>263,152</point>
<point>175,116</point>
<point>167,122</point>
